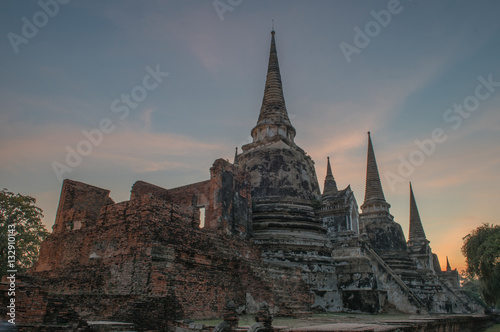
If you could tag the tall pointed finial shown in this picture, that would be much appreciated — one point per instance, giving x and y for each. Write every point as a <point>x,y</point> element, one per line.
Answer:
<point>235,162</point>
<point>416,228</point>
<point>273,111</point>
<point>373,187</point>
<point>328,167</point>
<point>448,266</point>
<point>330,186</point>
<point>272,30</point>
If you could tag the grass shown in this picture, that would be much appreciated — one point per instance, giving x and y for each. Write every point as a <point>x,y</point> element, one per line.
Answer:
<point>494,328</point>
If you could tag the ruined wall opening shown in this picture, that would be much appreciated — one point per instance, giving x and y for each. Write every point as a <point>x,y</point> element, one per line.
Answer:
<point>202,216</point>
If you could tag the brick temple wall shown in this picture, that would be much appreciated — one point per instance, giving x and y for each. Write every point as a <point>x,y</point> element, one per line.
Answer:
<point>149,255</point>
<point>79,206</point>
<point>226,198</point>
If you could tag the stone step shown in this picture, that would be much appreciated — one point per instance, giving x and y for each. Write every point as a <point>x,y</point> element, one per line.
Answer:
<point>105,326</point>
<point>297,314</point>
<point>295,306</point>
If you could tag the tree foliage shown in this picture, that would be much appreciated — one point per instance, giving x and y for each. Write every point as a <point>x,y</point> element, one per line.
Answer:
<point>22,220</point>
<point>481,249</point>
<point>472,287</point>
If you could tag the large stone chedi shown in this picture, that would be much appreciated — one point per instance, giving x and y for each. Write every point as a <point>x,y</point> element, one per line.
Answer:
<point>285,190</point>
<point>268,234</point>
<point>283,179</point>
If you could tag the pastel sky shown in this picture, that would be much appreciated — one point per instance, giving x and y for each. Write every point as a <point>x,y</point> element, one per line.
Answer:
<point>399,78</point>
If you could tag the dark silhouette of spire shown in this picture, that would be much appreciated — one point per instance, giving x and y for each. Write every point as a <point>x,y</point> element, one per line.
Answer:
<point>373,186</point>
<point>330,186</point>
<point>235,162</point>
<point>328,167</point>
<point>273,110</point>
<point>448,267</point>
<point>416,228</point>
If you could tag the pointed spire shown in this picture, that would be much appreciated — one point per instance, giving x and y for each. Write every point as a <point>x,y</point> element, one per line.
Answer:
<point>328,168</point>
<point>235,162</point>
<point>330,186</point>
<point>416,228</point>
<point>373,186</point>
<point>448,266</point>
<point>273,110</point>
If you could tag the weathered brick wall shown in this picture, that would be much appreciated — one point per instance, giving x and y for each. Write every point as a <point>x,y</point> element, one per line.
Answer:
<point>192,196</point>
<point>79,205</point>
<point>230,209</point>
<point>195,194</point>
<point>142,188</point>
<point>226,198</point>
<point>149,250</point>
<point>30,301</point>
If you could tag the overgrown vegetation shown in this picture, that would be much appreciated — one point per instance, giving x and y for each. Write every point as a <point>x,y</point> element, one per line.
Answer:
<point>481,249</point>
<point>21,231</point>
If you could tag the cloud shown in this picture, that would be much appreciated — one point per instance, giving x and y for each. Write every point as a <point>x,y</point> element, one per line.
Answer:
<point>147,152</point>
<point>447,166</point>
<point>131,145</point>
<point>159,20</point>
<point>145,118</point>
<point>332,133</point>
<point>32,108</point>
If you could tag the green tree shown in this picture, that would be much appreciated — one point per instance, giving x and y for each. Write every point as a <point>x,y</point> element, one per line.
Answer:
<point>472,287</point>
<point>21,220</point>
<point>481,249</point>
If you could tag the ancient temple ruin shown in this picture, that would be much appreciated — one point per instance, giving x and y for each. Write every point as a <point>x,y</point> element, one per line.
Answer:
<point>268,234</point>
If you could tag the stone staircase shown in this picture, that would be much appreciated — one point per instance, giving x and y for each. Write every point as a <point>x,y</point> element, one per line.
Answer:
<point>412,297</point>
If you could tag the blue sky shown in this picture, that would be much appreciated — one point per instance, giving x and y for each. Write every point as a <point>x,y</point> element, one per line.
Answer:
<point>399,86</point>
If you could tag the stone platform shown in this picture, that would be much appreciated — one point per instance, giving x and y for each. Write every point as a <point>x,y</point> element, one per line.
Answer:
<point>462,323</point>
<point>383,322</point>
